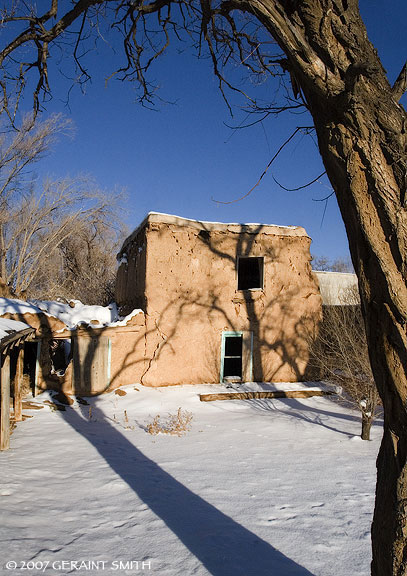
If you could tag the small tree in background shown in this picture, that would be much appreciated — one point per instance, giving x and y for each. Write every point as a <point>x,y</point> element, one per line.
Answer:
<point>340,354</point>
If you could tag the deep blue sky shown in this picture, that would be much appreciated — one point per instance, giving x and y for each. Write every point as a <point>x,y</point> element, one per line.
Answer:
<point>180,157</point>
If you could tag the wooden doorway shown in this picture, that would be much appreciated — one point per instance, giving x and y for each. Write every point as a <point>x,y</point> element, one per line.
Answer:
<point>236,356</point>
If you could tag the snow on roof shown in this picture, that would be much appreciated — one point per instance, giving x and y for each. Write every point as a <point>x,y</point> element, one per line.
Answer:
<point>8,327</point>
<point>174,219</point>
<point>235,227</point>
<point>72,314</point>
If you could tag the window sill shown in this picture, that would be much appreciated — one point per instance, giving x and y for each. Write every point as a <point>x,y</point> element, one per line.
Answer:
<point>251,294</point>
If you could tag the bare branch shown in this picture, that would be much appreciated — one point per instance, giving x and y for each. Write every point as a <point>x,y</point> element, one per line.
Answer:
<point>400,85</point>
<point>228,36</point>
<point>299,187</point>
<point>264,171</point>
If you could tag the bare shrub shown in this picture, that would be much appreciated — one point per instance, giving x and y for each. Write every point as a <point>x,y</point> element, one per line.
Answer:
<point>127,425</point>
<point>174,424</point>
<point>340,354</point>
<point>25,385</point>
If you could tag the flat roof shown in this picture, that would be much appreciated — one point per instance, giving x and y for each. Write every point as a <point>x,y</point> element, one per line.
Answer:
<point>236,228</point>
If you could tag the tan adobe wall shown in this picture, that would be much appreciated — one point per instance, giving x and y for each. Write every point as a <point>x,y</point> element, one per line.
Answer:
<point>106,358</point>
<point>192,297</point>
<point>103,358</point>
<point>130,280</point>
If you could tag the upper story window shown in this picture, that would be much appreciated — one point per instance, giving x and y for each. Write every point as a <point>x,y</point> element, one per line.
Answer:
<point>249,273</point>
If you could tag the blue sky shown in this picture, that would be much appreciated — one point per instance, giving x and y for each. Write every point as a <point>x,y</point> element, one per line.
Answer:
<point>182,157</point>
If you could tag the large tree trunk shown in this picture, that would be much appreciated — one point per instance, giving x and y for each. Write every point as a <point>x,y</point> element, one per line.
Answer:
<point>361,132</point>
<point>363,145</point>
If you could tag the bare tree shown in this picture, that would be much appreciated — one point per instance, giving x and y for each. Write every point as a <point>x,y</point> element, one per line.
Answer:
<point>42,232</point>
<point>38,229</point>
<point>24,146</point>
<point>324,263</point>
<point>20,149</point>
<point>323,48</point>
<point>84,265</point>
<point>340,354</point>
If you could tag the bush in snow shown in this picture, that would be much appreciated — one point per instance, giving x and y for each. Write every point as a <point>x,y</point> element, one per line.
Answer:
<point>340,354</point>
<point>175,424</point>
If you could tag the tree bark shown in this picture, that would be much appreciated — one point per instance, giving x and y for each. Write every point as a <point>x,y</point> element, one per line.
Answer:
<point>3,270</point>
<point>361,131</point>
<point>366,426</point>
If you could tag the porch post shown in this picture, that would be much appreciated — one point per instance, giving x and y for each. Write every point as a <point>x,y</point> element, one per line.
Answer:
<point>18,384</point>
<point>5,402</point>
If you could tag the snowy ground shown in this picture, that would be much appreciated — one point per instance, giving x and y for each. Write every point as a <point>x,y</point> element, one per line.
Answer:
<point>255,488</point>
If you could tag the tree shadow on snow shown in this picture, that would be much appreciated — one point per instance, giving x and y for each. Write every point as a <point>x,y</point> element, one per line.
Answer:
<point>303,411</point>
<point>224,547</point>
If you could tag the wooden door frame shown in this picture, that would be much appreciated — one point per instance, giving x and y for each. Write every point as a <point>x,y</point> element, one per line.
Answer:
<point>247,353</point>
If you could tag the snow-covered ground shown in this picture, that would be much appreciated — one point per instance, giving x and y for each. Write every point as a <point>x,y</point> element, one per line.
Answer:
<point>254,488</point>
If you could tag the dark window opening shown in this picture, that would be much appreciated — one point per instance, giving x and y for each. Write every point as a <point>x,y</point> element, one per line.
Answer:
<point>29,367</point>
<point>250,273</point>
<point>61,355</point>
<point>233,345</point>
<point>30,364</point>
<point>232,360</point>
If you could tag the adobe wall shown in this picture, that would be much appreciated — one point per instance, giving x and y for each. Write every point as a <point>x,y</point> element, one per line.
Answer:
<point>123,345</point>
<point>192,297</point>
<point>130,280</point>
<point>98,366</point>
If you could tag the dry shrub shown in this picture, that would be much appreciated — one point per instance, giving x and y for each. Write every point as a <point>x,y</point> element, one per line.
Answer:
<point>340,354</point>
<point>127,425</point>
<point>174,424</point>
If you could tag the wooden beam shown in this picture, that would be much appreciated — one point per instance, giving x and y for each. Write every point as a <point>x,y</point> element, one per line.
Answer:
<point>269,394</point>
<point>5,403</point>
<point>27,405</point>
<point>18,385</point>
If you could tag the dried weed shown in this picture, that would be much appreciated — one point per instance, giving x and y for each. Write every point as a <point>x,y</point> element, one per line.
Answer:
<point>174,424</point>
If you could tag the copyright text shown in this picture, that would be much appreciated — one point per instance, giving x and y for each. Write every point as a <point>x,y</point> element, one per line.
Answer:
<point>78,565</point>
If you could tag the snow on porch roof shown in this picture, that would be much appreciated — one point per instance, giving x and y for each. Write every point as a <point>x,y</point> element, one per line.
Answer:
<point>11,330</point>
<point>234,227</point>
<point>72,314</point>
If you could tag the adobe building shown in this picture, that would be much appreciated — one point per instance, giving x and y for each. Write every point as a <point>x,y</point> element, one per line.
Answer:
<point>221,302</point>
<point>198,302</point>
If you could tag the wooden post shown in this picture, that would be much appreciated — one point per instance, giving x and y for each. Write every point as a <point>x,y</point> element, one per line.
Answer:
<point>18,385</point>
<point>264,394</point>
<point>5,403</point>
<point>38,376</point>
